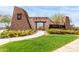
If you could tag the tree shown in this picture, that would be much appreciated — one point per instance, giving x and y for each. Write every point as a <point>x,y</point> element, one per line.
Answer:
<point>57,18</point>
<point>6,20</point>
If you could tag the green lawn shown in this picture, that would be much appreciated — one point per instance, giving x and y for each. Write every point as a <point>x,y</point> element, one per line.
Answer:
<point>40,44</point>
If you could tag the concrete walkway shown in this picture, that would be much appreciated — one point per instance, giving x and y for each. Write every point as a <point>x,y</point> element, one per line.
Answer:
<point>71,47</point>
<point>37,34</point>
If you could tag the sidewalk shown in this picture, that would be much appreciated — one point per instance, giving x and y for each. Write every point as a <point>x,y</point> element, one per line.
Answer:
<point>37,34</point>
<point>71,47</point>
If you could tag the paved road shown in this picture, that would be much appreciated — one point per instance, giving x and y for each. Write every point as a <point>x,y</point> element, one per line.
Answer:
<point>71,47</point>
<point>37,34</point>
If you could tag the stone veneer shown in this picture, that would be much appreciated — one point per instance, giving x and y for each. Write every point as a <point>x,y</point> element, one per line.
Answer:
<point>27,22</point>
<point>20,24</point>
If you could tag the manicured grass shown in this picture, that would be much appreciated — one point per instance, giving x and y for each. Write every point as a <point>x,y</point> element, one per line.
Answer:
<point>40,44</point>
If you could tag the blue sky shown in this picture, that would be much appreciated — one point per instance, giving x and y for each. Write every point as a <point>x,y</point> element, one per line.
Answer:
<point>71,11</point>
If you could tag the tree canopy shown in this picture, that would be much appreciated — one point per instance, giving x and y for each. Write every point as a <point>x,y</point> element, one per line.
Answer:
<point>57,18</point>
<point>6,20</point>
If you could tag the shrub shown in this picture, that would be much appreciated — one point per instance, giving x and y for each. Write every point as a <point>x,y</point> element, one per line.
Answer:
<point>40,28</point>
<point>62,31</point>
<point>12,33</point>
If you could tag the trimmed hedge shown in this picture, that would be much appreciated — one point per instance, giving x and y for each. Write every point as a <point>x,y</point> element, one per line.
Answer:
<point>62,31</point>
<point>12,33</point>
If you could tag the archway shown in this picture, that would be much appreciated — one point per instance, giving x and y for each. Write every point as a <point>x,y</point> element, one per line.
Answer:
<point>40,25</point>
